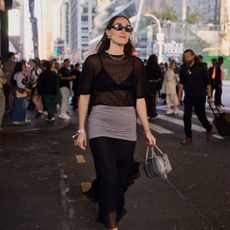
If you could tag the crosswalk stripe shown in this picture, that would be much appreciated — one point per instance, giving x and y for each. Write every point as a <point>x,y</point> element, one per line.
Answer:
<point>80,159</point>
<point>182,112</point>
<point>196,128</point>
<point>160,129</point>
<point>179,122</point>
<point>156,128</point>
<point>85,186</point>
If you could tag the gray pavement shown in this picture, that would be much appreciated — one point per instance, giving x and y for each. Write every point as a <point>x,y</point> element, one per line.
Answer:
<point>42,181</point>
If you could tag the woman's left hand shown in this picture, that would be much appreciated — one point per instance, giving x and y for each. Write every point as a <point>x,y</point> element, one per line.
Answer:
<point>150,139</point>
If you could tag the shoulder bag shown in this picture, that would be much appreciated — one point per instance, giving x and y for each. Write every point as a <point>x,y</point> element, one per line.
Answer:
<point>156,163</point>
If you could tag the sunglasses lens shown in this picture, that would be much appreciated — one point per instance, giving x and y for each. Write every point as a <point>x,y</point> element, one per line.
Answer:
<point>128,29</point>
<point>120,27</point>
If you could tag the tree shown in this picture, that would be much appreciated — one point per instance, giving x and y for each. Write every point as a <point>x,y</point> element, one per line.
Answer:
<point>169,14</point>
<point>193,18</point>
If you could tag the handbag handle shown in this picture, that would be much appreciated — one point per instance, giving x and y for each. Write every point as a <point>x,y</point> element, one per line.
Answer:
<point>153,152</point>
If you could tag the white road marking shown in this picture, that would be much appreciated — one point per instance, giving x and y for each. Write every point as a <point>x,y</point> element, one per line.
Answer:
<point>175,121</point>
<point>157,128</point>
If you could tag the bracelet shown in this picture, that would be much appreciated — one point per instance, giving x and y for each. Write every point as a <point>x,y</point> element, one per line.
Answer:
<point>81,131</point>
<point>78,131</point>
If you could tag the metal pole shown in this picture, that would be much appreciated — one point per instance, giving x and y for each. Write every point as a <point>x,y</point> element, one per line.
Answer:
<point>160,42</point>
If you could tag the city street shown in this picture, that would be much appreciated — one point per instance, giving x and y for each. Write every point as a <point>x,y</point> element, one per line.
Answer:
<point>43,174</point>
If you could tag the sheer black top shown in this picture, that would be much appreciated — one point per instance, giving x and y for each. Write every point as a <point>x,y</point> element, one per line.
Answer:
<point>113,82</point>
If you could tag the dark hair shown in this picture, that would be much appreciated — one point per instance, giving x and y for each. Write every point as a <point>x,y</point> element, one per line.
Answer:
<point>192,52</point>
<point>77,65</point>
<point>220,58</point>
<point>65,60</point>
<point>214,59</point>
<point>200,56</point>
<point>104,43</point>
<point>10,54</point>
<point>152,61</point>
<point>189,51</point>
<point>46,65</point>
<point>18,68</point>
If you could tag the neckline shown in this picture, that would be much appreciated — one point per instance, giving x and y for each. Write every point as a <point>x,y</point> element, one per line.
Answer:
<point>115,55</point>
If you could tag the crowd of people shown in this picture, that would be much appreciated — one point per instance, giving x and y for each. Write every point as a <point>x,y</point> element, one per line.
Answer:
<point>45,85</point>
<point>38,85</point>
<point>163,81</point>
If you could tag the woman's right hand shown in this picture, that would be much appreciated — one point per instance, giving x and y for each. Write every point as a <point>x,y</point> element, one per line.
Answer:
<point>82,141</point>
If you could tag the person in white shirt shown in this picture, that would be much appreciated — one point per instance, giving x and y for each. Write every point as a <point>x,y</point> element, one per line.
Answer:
<point>169,88</point>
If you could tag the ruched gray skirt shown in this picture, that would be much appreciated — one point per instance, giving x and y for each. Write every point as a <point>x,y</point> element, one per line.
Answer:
<point>113,121</point>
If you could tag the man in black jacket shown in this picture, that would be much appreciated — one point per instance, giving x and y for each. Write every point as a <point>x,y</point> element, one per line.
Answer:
<point>194,80</point>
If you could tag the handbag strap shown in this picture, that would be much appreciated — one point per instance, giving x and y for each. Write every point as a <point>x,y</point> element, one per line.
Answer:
<point>153,152</point>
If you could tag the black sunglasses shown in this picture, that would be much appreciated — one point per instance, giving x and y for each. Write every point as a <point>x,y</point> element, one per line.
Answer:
<point>120,27</point>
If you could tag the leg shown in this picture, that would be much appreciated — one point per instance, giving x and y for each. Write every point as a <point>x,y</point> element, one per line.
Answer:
<point>220,95</point>
<point>113,158</point>
<point>149,104</point>
<point>154,98</point>
<point>2,106</point>
<point>199,106</point>
<point>50,103</point>
<point>65,93</point>
<point>188,117</point>
<point>37,99</point>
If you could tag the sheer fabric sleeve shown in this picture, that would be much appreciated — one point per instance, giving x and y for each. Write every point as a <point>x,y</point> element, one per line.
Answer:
<point>139,71</point>
<point>87,77</point>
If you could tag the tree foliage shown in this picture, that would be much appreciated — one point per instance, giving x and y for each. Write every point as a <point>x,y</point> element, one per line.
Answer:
<point>193,17</point>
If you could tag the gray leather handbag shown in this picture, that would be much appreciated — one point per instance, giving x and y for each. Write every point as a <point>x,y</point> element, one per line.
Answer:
<point>156,163</point>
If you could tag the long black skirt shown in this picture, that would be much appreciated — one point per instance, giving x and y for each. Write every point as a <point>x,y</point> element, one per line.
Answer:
<point>116,170</point>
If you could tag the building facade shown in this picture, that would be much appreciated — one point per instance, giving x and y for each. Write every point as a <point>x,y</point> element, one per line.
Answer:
<point>225,27</point>
<point>81,24</point>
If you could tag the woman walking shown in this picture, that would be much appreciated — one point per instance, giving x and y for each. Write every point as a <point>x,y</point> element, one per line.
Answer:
<point>112,81</point>
<point>154,76</point>
<point>169,88</point>
<point>18,113</point>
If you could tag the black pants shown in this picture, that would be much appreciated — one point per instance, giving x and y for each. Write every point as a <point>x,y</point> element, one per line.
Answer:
<point>113,160</point>
<point>199,107</point>
<point>151,104</point>
<point>218,94</point>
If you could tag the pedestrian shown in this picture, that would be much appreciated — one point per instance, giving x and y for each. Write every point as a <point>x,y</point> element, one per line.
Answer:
<point>212,73</point>
<point>47,87</point>
<point>8,69</point>
<point>65,78</point>
<point>76,72</point>
<point>18,112</point>
<point>2,95</point>
<point>36,98</point>
<point>218,82</point>
<point>194,80</point>
<point>154,79</point>
<point>169,88</point>
<point>113,82</point>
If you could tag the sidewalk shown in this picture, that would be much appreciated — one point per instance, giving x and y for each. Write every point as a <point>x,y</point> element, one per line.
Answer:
<point>226,82</point>
<point>35,124</point>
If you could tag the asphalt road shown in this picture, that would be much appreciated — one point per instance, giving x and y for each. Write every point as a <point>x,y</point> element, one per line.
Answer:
<point>42,176</point>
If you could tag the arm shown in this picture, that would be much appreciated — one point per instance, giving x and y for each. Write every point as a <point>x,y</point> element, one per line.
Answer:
<point>209,92</point>
<point>180,91</point>
<point>66,78</point>
<point>83,105</point>
<point>142,113</point>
